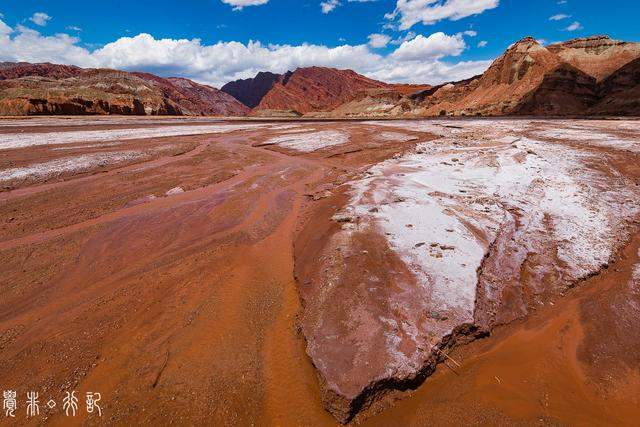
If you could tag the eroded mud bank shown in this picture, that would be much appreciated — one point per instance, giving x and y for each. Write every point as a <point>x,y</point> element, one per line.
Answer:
<point>474,229</point>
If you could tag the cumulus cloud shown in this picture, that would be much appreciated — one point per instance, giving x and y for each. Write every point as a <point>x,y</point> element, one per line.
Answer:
<point>40,18</point>
<point>410,12</point>
<point>559,17</point>
<point>377,41</point>
<point>482,43</point>
<point>436,46</point>
<point>329,5</point>
<point>239,4</point>
<point>419,60</point>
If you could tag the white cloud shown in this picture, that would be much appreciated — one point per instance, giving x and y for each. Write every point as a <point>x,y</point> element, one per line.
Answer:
<point>239,4</point>
<point>409,36</point>
<point>436,46</point>
<point>377,41</point>
<point>4,30</point>
<point>30,46</point>
<point>73,28</point>
<point>482,43</point>
<point>469,33</point>
<point>559,17</point>
<point>419,60</point>
<point>40,18</point>
<point>575,26</point>
<point>410,12</point>
<point>329,5</point>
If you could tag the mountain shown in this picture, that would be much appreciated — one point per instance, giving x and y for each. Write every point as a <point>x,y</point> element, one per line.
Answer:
<point>597,56</point>
<point>619,94</point>
<point>251,91</point>
<point>28,89</point>
<point>314,89</point>
<point>588,76</point>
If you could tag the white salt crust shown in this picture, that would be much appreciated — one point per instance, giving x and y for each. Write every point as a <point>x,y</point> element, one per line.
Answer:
<point>310,141</point>
<point>21,140</point>
<point>441,206</point>
<point>67,164</point>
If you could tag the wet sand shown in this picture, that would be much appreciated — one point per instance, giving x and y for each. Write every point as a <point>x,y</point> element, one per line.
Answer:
<point>168,284</point>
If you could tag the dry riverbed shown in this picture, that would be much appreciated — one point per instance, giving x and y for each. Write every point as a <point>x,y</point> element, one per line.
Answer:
<point>287,273</point>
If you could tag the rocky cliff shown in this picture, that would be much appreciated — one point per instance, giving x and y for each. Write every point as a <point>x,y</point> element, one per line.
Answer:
<point>28,89</point>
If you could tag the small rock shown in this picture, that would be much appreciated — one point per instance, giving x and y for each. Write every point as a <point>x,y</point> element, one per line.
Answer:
<point>174,191</point>
<point>342,218</point>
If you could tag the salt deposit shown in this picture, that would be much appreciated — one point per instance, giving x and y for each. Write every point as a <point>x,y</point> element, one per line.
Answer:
<point>310,141</point>
<point>21,140</point>
<point>68,164</point>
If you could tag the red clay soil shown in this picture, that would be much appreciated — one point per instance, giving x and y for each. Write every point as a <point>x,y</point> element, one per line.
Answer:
<point>168,285</point>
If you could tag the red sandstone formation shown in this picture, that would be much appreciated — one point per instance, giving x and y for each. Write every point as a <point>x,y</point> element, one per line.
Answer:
<point>579,77</point>
<point>620,92</point>
<point>316,89</point>
<point>597,56</point>
<point>28,89</point>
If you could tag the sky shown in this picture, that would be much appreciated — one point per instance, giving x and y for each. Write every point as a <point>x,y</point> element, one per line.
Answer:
<point>217,41</point>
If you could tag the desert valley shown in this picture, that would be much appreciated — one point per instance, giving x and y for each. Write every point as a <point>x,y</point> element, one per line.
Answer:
<point>318,247</point>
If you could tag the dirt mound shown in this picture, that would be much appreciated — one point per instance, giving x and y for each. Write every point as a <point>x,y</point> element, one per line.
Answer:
<point>28,89</point>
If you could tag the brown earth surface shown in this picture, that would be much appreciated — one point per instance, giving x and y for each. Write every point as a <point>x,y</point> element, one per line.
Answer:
<point>172,270</point>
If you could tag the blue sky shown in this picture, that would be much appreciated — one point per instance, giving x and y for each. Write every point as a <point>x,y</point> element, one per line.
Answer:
<point>214,41</point>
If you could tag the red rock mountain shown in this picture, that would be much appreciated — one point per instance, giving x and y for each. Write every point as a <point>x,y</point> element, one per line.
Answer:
<point>589,76</point>
<point>251,91</point>
<point>597,56</point>
<point>619,94</point>
<point>27,89</point>
<point>316,89</point>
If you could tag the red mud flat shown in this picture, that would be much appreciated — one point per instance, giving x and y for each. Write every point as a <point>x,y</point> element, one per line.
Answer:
<point>276,273</point>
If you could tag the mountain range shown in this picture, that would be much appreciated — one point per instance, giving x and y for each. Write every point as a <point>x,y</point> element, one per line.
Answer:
<point>581,77</point>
